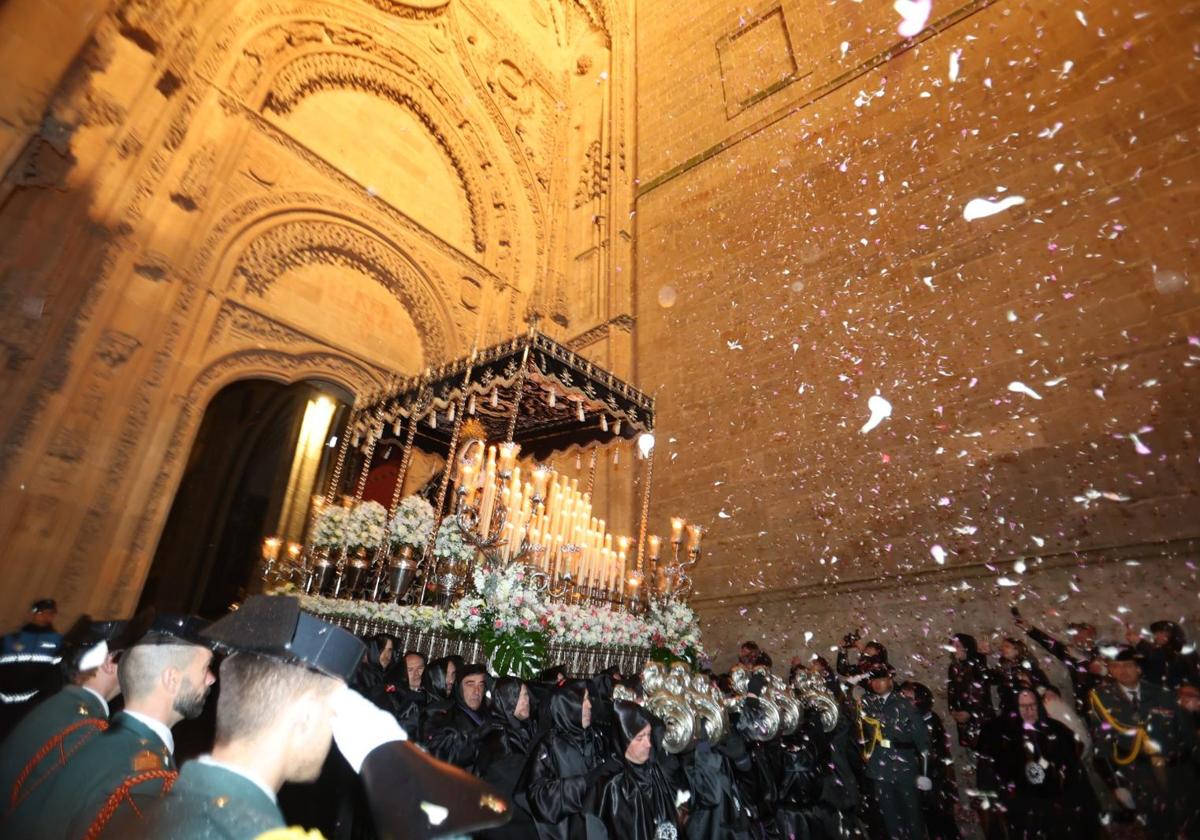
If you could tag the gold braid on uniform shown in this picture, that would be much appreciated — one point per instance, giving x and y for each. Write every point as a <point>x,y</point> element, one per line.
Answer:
<point>15,797</point>
<point>122,793</point>
<point>876,734</point>
<point>291,833</point>
<point>1140,738</point>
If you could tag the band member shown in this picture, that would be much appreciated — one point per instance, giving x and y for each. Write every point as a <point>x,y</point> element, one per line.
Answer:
<point>896,749</point>
<point>1147,746</point>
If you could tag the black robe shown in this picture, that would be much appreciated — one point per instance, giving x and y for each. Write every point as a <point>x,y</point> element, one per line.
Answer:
<point>560,773</point>
<point>635,801</point>
<point>717,808</point>
<point>1037,772</point>
<point>455,736</point>
<point>800,762</point>
<point>502,755</point>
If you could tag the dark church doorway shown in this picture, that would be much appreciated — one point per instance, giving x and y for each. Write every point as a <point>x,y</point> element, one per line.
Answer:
<point>252,469</point>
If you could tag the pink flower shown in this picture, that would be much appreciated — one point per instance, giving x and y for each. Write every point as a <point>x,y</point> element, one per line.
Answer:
<point>499,624</point>
<point>474,610</point>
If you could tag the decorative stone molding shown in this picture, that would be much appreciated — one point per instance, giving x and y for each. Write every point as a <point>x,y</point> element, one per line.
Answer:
<point>315,241</point>
<point>310,74</point>
<point>280,365</point>
<point>116,347</point>
<point>412,9</point>
<point>593,181</point>
<point>621,323</point>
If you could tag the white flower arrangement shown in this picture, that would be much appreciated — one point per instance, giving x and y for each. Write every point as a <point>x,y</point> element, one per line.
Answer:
<point>668,624</point>
<point>329,531</point>
<point>450,544</point>
<point>412,523</point>
<point>511,599</point>
<point>365,526</point>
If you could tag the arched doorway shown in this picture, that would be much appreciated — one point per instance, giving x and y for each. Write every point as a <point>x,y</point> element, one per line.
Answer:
<point>261,449</point>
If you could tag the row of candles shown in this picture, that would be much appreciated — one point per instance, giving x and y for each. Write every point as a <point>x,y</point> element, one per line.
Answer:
<point>553,518</point>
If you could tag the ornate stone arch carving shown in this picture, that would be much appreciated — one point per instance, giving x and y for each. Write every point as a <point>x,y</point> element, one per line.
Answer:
<point>315,241</point>
<point>312,73</point>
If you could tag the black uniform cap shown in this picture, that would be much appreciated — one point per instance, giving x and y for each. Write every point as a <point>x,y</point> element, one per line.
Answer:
<point>275,627</point>
<point>44,604</point>
<point>152,628</point>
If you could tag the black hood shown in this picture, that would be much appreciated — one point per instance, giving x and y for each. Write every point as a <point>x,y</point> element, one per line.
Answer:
<point>630,719</point>
<point>969,644</point>
<point>434,678</point>
<point>566,708</point>
<point>469,671</point>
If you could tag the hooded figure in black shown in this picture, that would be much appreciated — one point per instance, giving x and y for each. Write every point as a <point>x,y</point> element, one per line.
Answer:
<point>634,798</point>
<point>455,736</point>
<point>717,808</point>
<point>750,759</point>
<point>504,751</point>
<point>376,660</point>
<point>1032,762</point>
<point>969,683</point>
<point>396,694</point>
<point>1163,661</point>
<point>564,763</point>
<point>801,762</point>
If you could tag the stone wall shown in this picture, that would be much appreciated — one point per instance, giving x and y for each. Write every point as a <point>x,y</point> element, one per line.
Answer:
<point>340,190</point>
<point>802,247</point>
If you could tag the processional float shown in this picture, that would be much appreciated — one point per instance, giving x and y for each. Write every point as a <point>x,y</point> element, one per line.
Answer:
<point>498,524</point>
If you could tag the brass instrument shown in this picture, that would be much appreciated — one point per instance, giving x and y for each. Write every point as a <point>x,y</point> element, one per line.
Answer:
<point>814,695</point>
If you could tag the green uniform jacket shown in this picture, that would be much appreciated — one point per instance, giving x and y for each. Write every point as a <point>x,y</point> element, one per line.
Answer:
<point>206,803</point>
<point>67,804</point>
<point>895,752</point>
<point>73,708</point>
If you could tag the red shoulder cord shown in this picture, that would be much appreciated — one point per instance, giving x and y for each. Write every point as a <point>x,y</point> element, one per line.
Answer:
<point>121,794</point>
<point>15,797</point>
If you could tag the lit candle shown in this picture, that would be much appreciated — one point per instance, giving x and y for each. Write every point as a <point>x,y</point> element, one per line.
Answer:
<point>541,476</point>
<point>677,524</point>
<point>293,550</point>
<point>508,455</point>
<point>695,533</point>
<point>652,545</point>
<point>270,548</point>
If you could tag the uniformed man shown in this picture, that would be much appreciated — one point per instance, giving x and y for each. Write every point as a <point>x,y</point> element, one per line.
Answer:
<point>165,678</point>
<point>38,635</point>
<point>283,694</point>
<point>1144,740</point>
<point>59,725</point>
<point>29,660</point>
<point>896,748</point>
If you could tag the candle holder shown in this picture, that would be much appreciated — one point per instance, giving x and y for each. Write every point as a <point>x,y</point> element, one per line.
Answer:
<point>402,571</point>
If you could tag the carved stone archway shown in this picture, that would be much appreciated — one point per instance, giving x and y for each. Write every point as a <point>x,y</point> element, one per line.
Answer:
<point>279,365</point>
<point>260,240</point>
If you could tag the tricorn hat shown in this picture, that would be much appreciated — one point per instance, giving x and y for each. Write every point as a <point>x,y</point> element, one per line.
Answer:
<point>414,795</point>
<point>274,626</point>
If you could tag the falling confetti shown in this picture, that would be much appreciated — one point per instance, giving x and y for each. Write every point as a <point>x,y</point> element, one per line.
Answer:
<point>981,208</point>
<point>939,554</point>
<point>881,410</point>
<point>1138,446</point>
<point>915,14</point>
<point>666,296</point>
<point>955,57</point>
<point>1022,388</point>
<point>1007,581</point>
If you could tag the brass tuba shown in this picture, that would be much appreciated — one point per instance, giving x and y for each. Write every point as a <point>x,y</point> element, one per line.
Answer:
<point>790,712</point>
<point>814,695</point>
<point>678,717</point>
